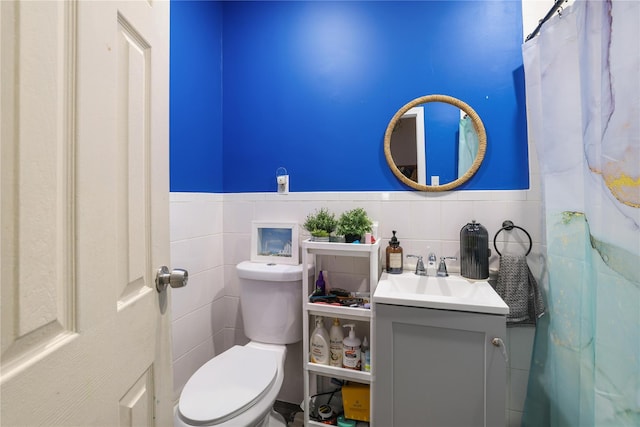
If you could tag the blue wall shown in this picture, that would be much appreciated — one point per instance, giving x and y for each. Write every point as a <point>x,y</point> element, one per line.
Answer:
<point>196,97</point>
<point>311,86</point>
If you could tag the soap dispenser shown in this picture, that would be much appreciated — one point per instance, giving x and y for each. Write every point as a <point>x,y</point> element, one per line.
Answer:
<point>394,256</point>
<point>474,251</point>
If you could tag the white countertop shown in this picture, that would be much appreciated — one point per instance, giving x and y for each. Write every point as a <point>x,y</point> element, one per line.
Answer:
<point>446,293</point>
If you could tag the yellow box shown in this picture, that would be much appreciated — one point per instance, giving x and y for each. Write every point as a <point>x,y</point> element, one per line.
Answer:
<point>355,399</point>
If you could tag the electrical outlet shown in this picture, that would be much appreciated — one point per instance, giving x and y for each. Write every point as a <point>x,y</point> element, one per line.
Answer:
<point>283,184</point>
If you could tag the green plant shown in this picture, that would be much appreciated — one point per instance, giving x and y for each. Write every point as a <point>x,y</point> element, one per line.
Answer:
<point>321,223</point>
<point>354,222</point>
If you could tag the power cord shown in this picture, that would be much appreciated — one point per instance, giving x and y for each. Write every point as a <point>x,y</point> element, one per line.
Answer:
<point>313,411</point>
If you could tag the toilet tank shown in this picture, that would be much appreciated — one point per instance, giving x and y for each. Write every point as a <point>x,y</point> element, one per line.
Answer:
<point>271,301</point>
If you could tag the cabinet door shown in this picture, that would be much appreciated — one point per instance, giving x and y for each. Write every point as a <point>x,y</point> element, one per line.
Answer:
<point>438,368</point>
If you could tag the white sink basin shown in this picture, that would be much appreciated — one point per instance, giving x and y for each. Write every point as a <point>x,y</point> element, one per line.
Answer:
<point>446,293</point>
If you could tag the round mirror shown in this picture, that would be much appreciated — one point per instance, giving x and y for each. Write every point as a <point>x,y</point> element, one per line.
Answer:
<point>435,143</point>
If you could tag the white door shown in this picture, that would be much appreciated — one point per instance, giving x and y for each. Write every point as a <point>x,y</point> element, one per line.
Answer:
<point>84,192</point>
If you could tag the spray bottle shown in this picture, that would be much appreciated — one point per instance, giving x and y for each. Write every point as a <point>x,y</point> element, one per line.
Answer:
<point>320,286</point>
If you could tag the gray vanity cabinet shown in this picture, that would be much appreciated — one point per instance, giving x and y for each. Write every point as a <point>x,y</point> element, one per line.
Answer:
<point>439,368</point>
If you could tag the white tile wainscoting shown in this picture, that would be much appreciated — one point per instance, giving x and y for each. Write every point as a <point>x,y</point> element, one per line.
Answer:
<point>211,233</point>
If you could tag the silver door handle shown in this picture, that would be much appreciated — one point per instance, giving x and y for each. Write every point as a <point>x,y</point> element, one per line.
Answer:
<point>177,278</point>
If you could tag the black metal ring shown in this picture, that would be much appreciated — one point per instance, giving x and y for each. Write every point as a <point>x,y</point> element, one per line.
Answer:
<point>508,225</point>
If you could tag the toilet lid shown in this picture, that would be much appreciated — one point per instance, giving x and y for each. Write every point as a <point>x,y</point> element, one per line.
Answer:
<point>227,385</point>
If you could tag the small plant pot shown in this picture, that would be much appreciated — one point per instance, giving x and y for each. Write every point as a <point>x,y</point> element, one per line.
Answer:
<point>319,238</point>
<point>336,239</point>
<point>350,238</point>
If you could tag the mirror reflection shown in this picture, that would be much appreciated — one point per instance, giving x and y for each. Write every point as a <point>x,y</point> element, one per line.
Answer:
<point>435,143</point>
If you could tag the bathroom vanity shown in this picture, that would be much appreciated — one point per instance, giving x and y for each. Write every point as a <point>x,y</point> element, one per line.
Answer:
<point>440,355</point>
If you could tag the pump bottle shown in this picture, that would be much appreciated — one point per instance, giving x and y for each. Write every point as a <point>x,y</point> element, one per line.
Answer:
<point>319,345</point>
<point>335,339</point>
<point>351,349</point>
<point>394,256</point>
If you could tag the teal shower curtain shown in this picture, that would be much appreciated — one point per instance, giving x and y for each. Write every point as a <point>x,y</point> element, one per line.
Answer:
<point>582,77</point>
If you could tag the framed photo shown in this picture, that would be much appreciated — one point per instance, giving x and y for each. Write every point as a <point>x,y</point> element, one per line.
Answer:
<point>275,242</point>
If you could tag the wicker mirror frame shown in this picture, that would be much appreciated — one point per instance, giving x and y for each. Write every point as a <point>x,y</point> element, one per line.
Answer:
<point>477,124</point>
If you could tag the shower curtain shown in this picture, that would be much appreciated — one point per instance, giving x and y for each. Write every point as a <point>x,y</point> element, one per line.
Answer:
<point>582,76</point>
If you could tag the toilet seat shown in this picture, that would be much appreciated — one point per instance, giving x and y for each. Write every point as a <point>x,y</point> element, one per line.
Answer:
<point>237,378</point>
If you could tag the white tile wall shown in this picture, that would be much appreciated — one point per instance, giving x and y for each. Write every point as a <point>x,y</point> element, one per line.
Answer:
<point>198,309</point>
<point>206,314</point>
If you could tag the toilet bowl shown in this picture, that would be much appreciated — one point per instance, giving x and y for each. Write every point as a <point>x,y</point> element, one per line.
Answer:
<point>239,387</point>
<point>235,388</point>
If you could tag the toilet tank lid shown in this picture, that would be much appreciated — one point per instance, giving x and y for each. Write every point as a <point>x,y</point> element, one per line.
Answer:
<point>270,272</point>
<point>228,385</point>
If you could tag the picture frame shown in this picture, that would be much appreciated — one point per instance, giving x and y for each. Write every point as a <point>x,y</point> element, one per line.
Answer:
<point>275,242</point>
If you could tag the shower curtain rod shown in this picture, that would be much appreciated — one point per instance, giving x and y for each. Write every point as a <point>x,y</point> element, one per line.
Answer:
<point>548,16</point>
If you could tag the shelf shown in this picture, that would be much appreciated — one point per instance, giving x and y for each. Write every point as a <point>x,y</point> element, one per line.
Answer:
<point>335,372</point>
<point>353,313</point>
<point>345,249</point>
<point>319,255</point>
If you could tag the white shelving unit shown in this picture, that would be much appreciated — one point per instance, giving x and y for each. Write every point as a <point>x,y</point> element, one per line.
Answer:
<point>313,254</point>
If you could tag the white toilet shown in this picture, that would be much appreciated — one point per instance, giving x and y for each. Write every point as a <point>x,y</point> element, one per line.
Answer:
<point>240,386</point>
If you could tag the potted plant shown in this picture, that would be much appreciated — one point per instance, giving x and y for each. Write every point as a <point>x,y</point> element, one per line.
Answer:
<point>353,224</point>
<point>320,224</point>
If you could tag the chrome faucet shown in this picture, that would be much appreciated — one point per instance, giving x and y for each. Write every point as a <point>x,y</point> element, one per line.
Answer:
<point>442,268</point>
<point>432,258</point>
<point>420,270</point>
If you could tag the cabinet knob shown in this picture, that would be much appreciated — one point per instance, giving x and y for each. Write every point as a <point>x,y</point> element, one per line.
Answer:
<point>499,343</point>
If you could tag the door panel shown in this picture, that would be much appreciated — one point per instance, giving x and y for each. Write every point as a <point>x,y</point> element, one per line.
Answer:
<point>38,280</point>
<point>84,168</point>
<point>133,160</point>
<point>136,407</point>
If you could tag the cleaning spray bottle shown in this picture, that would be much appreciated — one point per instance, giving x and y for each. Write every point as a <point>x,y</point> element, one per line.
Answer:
<point>351,349</point>
<point>335,347</point>
<point>320,286</point>
<point>319,345</point>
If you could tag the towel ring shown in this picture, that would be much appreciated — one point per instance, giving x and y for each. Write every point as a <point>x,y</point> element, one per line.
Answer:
<point>508,225</point>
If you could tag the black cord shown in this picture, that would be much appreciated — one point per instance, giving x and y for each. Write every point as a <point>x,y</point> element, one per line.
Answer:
<point>313,414</point>
<point>326,392</point>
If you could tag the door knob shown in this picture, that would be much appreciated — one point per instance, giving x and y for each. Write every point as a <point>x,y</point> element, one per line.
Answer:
<point>177,278</point>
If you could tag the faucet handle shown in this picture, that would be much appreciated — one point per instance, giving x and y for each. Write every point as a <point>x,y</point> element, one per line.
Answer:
<point>442,268</point>
<point>420,271</point>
